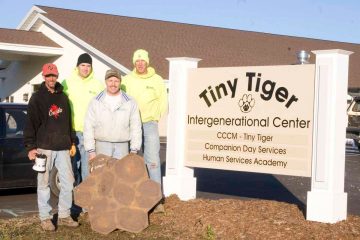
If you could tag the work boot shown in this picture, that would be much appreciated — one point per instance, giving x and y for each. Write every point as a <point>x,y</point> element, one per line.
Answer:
<point>68,221</point>
<point>47,225</point>
<point>159,208</point>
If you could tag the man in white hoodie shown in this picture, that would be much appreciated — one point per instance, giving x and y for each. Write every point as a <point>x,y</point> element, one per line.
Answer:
<point>112,121</point>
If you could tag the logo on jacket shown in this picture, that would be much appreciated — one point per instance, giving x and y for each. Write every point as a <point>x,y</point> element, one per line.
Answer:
<point>55,111</point>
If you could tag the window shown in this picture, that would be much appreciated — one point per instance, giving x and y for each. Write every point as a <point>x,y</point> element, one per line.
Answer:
<point>356,107</point>
<point>25,97</point>
<point>36,87</point>
<point>15,121</point>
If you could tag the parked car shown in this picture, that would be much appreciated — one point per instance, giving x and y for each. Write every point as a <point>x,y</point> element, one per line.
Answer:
<point>15,167</point>
<point>353,112</point>
<point>353,129</point>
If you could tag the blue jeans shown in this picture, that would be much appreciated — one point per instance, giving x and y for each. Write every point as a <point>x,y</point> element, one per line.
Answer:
<point>151,142</point>
<point>80,160</point>
<point>61,160</point>
<point>116,150</point>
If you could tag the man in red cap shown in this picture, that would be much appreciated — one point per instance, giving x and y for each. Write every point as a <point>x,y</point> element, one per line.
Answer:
<point>48,132</point>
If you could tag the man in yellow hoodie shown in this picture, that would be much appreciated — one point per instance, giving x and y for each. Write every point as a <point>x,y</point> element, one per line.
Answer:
<point>81,87</point>
<point>148,89</point>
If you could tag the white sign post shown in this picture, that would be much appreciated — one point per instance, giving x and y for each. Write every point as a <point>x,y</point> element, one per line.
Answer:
<point>179,179</point>
<point>327,201</point>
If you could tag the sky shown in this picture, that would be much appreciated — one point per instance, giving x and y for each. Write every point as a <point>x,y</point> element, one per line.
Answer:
<point>335,20</point>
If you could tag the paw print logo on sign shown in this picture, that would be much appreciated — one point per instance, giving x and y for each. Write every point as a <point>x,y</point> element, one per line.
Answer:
<point>246,103</point>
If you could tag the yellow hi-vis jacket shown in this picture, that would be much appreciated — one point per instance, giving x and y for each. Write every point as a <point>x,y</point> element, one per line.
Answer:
<point>80,92</point>
<point>149,92</point>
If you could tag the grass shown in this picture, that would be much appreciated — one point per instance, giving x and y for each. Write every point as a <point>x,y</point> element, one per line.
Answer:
<point>210,233</point>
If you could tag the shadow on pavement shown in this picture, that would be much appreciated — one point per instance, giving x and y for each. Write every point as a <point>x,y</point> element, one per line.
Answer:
<point>17,191</point>
<point>245,185</point>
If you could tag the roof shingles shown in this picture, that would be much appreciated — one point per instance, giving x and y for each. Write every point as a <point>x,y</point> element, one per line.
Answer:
<point>25,38</point>
<point>118,37</point>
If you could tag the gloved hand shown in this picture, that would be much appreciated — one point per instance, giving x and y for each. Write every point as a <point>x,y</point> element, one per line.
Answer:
<point>72,150</point>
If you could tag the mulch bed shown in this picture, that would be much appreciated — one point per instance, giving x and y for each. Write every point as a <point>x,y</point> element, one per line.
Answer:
<point>203,219</point>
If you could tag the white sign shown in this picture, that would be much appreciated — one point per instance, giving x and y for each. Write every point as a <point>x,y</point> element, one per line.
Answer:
<point>255,119</point>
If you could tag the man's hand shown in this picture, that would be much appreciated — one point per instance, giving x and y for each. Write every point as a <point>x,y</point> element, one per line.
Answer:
<point>32,154</point>
<point>133,152</point>
<point>72,150</point>
<point>92,155</point>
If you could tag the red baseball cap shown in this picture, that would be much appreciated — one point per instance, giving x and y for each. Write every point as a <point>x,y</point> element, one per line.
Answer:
<point>49,68</point>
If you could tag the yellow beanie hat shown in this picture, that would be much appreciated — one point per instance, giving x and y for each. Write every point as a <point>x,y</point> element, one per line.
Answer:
<point>141,54</point>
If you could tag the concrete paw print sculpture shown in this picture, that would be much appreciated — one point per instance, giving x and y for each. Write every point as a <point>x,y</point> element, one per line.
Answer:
<point>118,194</point>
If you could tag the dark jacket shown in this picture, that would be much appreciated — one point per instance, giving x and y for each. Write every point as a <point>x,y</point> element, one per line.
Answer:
<point>48,125</point>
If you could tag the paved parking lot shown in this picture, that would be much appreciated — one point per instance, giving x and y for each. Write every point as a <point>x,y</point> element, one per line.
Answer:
<point>215,184</point>
<point>291,189</point>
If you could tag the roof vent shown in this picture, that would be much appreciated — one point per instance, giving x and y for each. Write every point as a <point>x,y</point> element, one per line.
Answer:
<point>303,57</point>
